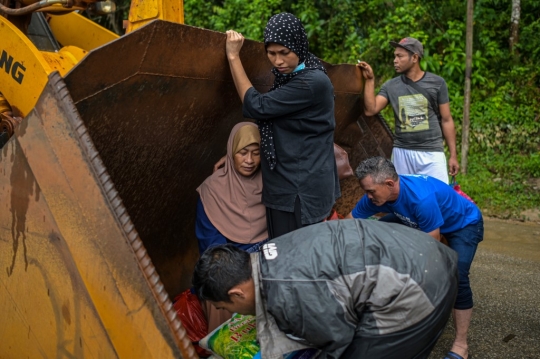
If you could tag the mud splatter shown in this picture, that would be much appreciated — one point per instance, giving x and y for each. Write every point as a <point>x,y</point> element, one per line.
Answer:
<point>22,188</point>
<point>65,313</point>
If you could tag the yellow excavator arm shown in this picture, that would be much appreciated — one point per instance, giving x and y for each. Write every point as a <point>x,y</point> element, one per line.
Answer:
<point>76,30</point>
<point>26,68</point>
<point>142,12</point>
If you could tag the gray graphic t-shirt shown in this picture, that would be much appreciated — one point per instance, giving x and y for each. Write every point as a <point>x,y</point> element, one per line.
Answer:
<point>417,125</point>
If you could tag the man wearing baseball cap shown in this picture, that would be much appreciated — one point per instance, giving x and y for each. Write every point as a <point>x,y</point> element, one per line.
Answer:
<point>421,112</point>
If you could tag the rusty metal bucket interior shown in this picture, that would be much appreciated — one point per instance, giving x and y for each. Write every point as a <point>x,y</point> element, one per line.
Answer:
<point>152,112</point>
<point>159,105</point>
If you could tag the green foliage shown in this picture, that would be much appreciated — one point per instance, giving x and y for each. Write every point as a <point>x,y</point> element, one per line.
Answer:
<point>247,17</point>
<point>198,13</point>
<point>500,184</point>
<point>505,108</point>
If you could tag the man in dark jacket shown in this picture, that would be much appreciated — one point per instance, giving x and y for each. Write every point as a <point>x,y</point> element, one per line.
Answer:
<point>352,288</point>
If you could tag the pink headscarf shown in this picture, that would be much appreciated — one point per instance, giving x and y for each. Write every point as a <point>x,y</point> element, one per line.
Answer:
<point>231,201</point>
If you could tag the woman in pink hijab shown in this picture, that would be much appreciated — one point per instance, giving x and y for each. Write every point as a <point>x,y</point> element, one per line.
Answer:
<point>230,209</point>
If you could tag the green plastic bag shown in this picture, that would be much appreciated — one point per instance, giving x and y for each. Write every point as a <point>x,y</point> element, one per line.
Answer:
<point>234,339</point>
<point>237,339</point>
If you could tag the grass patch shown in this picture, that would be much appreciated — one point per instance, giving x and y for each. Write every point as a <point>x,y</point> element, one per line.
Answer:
<point>501,185</point>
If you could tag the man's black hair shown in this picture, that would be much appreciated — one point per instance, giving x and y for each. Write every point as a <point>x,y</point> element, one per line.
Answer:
<point>379,168</point>
<point>219,269</point>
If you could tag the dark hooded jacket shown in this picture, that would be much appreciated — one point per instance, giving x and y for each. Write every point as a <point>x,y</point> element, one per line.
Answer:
<point>324,283</point>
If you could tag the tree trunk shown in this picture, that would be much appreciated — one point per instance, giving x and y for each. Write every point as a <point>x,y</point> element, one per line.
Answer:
<point>467,95</point>
<point>514,27</point>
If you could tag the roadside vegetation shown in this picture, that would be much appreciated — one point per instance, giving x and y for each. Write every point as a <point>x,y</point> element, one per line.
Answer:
<point>504,154</point>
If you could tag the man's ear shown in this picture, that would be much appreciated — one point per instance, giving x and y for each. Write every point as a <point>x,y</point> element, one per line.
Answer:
<point>236,292</point>
<point>390,183</point>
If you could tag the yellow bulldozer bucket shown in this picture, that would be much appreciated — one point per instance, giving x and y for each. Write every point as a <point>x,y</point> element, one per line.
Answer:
<point>98,190</point>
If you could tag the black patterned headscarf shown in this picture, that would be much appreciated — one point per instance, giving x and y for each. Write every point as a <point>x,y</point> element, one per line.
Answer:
<point>287,30</point>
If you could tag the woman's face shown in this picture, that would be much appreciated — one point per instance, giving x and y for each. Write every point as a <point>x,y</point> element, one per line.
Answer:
<point>283,59</point>
<point>247,160</point>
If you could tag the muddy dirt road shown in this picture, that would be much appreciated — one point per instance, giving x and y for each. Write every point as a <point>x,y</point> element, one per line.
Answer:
<point>505,278</point>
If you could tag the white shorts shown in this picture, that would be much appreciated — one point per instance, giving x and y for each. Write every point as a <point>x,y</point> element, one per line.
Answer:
<point>410,162</point>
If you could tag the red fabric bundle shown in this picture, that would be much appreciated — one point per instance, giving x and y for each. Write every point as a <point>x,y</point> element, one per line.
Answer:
<point>334,215</point>
<point>457,188</point>
<point>189,310</point>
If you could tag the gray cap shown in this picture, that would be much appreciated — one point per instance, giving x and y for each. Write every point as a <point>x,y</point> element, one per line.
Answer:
<point>410,44</point>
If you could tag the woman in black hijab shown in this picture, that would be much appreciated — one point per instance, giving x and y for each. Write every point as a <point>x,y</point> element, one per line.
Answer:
<point>296,123</point>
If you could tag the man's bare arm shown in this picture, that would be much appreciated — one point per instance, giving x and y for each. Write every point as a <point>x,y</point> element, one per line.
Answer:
<point>219,164</point>
<point>449,133</point>
<point>372,104</point>
<point>436,233</point>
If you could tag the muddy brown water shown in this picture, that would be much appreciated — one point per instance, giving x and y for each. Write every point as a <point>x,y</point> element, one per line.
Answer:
<point>505,278</point>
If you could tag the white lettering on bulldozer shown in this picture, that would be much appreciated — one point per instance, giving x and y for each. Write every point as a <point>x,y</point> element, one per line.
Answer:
<point>270,251</point>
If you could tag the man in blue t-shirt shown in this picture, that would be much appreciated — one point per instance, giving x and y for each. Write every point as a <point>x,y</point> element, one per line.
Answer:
<point>429,205</point>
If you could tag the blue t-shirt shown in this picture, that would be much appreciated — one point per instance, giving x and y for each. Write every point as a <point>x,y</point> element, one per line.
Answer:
<point>425,203</point>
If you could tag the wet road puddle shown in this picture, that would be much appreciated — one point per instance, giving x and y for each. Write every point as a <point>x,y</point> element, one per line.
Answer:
<point>514,239</point>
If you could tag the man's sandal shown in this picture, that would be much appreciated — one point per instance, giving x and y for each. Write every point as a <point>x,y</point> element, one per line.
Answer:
<point>452,355</point>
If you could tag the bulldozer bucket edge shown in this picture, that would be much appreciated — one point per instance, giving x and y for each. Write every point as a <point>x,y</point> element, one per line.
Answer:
<point>88,280</point>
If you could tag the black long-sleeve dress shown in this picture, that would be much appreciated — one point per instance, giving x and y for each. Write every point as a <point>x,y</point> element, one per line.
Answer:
<point>302,115</point>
